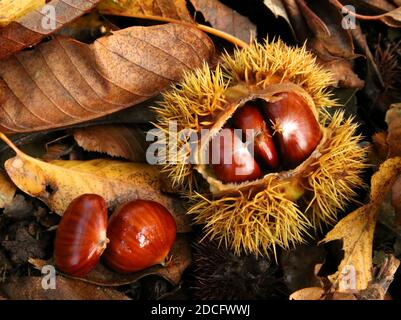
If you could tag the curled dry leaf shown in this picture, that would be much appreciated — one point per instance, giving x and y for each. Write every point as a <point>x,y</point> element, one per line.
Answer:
<point>226,19</point>
<point>63,81</point>
<point>29,29</point>
<point>172,272</point>
<point>175,9</point>
<point>356,231</point>
<point>31,288</point>
<point>115,140</point>
<point>7,190</point>
<point>277,7</point>
<point>59,182</point>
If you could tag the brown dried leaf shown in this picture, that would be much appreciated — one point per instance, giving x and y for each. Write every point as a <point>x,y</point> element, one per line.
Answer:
<point>175,9</point>
<point>63,82</point>
<point>393,119</point>
<point>392,18</point>
<point>172,272</point>
<point>115,140</point>
<point>343,73</point>
<point>30,288</point>
<point>356,231</point>
<point>30,30</point>
<point>59,182</point>
<point>7,190</point>
<point>311,293</point>
<point>226,19</point>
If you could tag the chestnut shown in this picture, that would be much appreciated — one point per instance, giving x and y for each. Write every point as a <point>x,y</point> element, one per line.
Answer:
<point>141,234</point>
<point>231,159</point>
<point>81,235</point>
<point>296,130</point>
<point>249,117</point>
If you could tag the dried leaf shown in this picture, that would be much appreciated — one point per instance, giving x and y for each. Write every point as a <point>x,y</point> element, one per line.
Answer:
<point>115,140</point>
<point>30,288</point>
<point>175,9</point>
<point>343,73</point>
<point>392,18</point>
<point>63,82</point>
<point>277,8</point>
<point>59,182</point>
<point>356,231</point>
<point>172,272</point>
<point>30,29</point>
<point>312,293</point>
<point>393,120</point>
<point>7,190</point>
<point>396,200</point>
<point>226,19</point>
<point>11,10</point>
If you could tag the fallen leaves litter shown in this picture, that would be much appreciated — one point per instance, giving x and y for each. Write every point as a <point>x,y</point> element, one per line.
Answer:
<point>30,29</point>
<point>59,182</point>
<point>63,81</point>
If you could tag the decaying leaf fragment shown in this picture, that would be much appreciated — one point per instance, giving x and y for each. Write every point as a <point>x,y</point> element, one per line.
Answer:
<point>59,182</point>
<point>31,288</point>
<point>115,140</point>
<point>7,190</point>
<point>393,119</point>
<point>356,231</point>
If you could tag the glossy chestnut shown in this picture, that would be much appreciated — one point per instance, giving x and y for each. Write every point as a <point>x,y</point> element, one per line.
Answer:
<point>249,117</point>
<point>231,159</point>
<point>296,130</point>
<point>141,234</point>
<point>81,235</point>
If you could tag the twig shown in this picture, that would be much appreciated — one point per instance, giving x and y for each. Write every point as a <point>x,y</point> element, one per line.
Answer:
<point>340,6</point>
<point>210,30</point>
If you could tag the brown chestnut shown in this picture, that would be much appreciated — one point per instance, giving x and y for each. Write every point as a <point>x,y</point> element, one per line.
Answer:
<point>81,235</point>
<point>248,117</point>
<point>231,159</point>
<point>296,130</point>
<point>141,234</point>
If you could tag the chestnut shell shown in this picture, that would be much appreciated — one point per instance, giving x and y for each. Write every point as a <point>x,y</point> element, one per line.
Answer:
<point>141,234</point>
<point>81,235</point>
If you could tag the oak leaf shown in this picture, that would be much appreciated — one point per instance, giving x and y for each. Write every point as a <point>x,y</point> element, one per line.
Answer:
<point>11,10</point>
<point>63,81</point>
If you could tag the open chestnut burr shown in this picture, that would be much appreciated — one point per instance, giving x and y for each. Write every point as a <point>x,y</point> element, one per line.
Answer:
<point>306,163</point>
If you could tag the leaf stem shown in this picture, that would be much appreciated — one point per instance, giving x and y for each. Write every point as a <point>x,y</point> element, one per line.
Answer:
<point>340,6</point>
<point>9,142</point>
<point>207,29</point>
